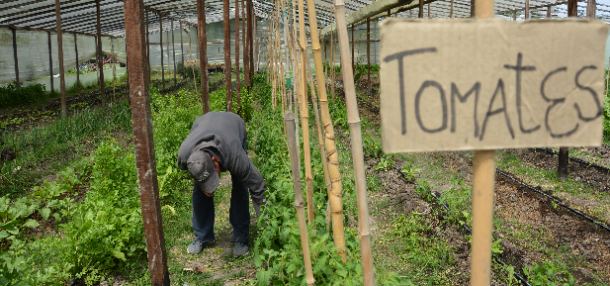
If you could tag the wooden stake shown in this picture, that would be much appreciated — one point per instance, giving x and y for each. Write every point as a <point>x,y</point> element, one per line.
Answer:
<point>527,9</point>
<point>51,60</point>
<point>193,66</point>
<point>173,52</point>
<point>482,194</point>
<point>451,10</point>
<point>60,56</point>
<point>167,50</point>
<point>368,50</point>
<point>227,50</point>
<point>591,7</point>
<point>237,72</point>
<point>353,51</point>
<point>548,12</point>
<point>298,195</point>
<point>14,31</point>
<point>353,119</point>
<point>336,203</point>
<point>113,69</point>
<point>77,67</point>
<point>420,12</point>
<point>203,55</point>
<point>182,51</point>
<point>243,38</point>
<point>100,63</point>
<point>161,46</point>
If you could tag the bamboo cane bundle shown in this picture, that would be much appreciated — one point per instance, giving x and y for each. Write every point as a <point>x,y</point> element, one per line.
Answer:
<point>329,139</point>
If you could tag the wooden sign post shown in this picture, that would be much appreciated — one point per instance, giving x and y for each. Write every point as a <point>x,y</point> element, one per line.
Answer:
<point>486,84</point>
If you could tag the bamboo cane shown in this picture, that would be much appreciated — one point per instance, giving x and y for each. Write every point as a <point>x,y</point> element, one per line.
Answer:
<point>332,64</point>
<point>329,138</point>
<point>298,195</point>
<point>295,98</point>
<point>237,73</point>
<point>305,114</point>
<point>314,99</point>
<point>353,120</point>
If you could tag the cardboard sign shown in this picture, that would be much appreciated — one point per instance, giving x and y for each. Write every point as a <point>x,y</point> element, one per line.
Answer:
<point>491,84</point>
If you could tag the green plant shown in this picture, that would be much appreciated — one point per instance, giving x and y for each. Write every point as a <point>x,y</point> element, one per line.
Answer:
<point>13,95</point>
<point>384,164</point>
<point>410,171</point>
<point>548,273</point>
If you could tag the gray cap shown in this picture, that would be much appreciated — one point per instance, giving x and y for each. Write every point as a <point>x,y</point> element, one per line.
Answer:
<point>203,170</point>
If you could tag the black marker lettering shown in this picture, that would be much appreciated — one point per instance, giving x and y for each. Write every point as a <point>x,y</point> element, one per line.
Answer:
<point>426,84</point>
<point>499,88</point>
<point>520,68</point>
<point>399,56</point>
<point>599,107</point>
<point>555,102</point>
<point>455,92</point>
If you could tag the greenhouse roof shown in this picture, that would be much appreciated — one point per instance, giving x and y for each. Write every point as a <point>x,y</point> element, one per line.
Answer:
<point>80,16</point>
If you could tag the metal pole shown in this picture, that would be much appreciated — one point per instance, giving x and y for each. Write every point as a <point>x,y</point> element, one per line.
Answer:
<point>50,61</point>
<point>77,67</point>
<point>227,42</point>
<point>203,58</point>
<point>15,56</point>
<point>161,45</point>
<point>143,142</point>
<point>100,65</point>
<point>174,52</point>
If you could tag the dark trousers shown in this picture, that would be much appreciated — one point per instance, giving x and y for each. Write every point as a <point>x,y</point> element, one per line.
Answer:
<point>239,212</point>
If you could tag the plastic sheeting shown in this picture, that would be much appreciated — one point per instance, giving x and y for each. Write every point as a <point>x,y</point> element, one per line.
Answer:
<point>33,53</point>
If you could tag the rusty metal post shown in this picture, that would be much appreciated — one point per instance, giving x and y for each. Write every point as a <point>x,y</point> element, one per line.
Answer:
<point>143,141</point>
<point>161,45</point>
<point>174,52</point>
<point>100,62</point>
<point>227,42</point>
<point>77,67</point>
<point>237,73</point>
<point>203,58</point>
<point>15,56</point>
<point>182,51</point>
<point>50,61</point>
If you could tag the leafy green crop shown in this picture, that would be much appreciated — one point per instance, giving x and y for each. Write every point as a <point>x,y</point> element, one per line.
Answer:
<point>13,95</point>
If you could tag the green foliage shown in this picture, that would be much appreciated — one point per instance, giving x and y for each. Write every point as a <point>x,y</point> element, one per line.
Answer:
<point>410,171</point>
<point>13,95</point>
<point>189,71</point>
<point>548,273</point>
<point>384,164</point>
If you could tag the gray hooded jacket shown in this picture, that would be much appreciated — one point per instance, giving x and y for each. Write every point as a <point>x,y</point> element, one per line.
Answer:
<point>222,134</point>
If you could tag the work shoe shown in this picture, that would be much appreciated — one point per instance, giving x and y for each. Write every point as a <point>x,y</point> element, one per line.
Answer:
<point>195,248</point>
<point>239,249</point>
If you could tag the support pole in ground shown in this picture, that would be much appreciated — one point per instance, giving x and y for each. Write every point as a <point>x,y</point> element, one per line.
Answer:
<point>591,7</point>
<point>353,119</point>
<point>143,142</point>
<point>237,72</point>
<point>167,49</point>
<point>336,203</point>
<point>113,69</point>
<point>420,12</point>
<point>243,39</point>
<point>227,50</point>
<point>368,50</point>
<point>298,195</point>
<point>147,36</point>
<point>564,153</point>
<point>182,51</point>
<point>527,9</point>
<point>451,10</point>
<point>472,8</point>
<point>203,55</point>
<point>353,51</point>
<point>100,58</point>
<point>50,60</point>
<point>549,12</point>
<point>514,15</point>
<point>16,58</point>
<point>482,194</point>
<point>429,10</point>
<point>251,20</point>
<point>77,67</point>
<point>305,114</point>
<point>193,66</point>
<point>174,53</point>
<point>161,47</point>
